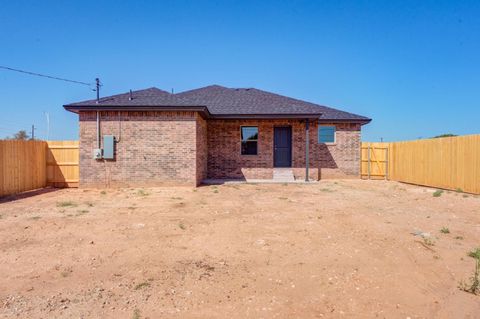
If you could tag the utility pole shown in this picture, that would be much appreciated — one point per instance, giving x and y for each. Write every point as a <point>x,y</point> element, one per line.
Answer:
<point>33,132</point>
<point>97,82</point>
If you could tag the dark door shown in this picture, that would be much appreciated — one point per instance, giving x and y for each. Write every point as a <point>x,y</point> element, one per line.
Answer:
<point>282,143</point>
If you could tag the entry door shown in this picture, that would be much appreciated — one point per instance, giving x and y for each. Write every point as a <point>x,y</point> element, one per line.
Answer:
<point>282,140</point>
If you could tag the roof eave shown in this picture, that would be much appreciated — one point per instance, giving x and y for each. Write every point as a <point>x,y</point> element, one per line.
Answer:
<point>203,110</point>
<point>359,121</point>
<point>310,116</point>
<point>265,116</point>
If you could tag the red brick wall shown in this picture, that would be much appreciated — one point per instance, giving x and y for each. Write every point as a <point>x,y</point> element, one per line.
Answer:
<point>181,148</point>
<point>225,160</point>
<point>341,159</point>
<point>154,148</point>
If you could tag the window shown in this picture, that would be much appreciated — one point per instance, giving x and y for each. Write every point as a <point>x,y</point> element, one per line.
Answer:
<point>326,134</point>
<point>249,140</point>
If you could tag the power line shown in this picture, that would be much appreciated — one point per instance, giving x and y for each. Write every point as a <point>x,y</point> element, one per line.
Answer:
<point>11,131</point>
<point>25,127</point>
<point>10,122</point>
<point>45,76</point>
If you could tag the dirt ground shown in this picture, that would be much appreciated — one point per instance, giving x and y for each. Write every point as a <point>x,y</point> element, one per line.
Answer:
<point>334,249</point>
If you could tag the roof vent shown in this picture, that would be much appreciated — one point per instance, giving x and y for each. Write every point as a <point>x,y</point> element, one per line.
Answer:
<point>130,96</point>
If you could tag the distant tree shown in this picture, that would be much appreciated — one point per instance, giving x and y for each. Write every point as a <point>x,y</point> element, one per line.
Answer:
<point>445,135</point>
<point>20,135</point>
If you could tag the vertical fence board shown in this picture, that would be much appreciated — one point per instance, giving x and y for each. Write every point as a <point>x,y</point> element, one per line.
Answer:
<point>29,165</point>
<point>449,163</point>
<point>22,166</point>
<point>374,160</point>
<point>62,163</point>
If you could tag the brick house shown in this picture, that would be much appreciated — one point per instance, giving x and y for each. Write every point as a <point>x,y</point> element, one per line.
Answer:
<point>152,137</point>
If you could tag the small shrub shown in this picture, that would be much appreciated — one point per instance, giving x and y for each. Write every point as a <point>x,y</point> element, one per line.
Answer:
<point>142,192</point>
<point>283,198</point>
<point>474,286</point>
<point>475,253</point>
<point>178,198</point>
<point>89,204</point>
<point>428,241</point>
<point>141,285</point>
<point>459,237</point>
<point>103,192</point>
<point>464,195</point>
<point>182,226</point>
<point>215,191</point>
<point>81,212</point>
<point>66,204</point>
<point>445,230</point>
<point>35,218</point>
<point>459,190</point>
<point>437,193</point>
<point>136,314</point>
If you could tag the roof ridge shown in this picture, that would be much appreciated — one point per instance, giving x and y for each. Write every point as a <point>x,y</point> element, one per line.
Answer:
<point>154,88</point>
<point>203,88</point>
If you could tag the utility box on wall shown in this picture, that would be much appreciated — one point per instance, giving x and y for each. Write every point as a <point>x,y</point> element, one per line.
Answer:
<point>108,147</point>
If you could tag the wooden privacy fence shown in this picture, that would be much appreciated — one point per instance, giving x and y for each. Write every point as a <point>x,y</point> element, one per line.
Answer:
<point>22,166</point>
<point>28,165</point>
<point>449,162</point>
<point>374,160</point>
<point>62,163</point>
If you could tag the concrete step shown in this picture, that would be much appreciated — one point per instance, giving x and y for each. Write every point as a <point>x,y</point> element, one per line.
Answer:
<point>283,175</point>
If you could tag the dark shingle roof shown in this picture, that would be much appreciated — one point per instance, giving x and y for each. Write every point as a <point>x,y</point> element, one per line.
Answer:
<point>231,101</point>
<point>148,97</point>
<point>220,102</point>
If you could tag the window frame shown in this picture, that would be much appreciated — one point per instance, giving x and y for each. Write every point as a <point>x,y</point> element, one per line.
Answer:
<point>334,134</point>
<point>241,140</point>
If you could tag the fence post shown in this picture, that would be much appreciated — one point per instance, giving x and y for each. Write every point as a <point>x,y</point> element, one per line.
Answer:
<point>386,161</point>
<point>368,160</point>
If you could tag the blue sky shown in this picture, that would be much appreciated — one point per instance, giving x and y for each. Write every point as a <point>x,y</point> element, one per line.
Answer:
<point>412,66</point>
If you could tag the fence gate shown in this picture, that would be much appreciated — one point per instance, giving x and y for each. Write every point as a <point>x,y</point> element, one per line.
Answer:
<point>62,163</point>
<point>374,160</point>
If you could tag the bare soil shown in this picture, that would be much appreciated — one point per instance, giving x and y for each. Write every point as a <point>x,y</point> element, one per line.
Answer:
<point>340,248</point>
